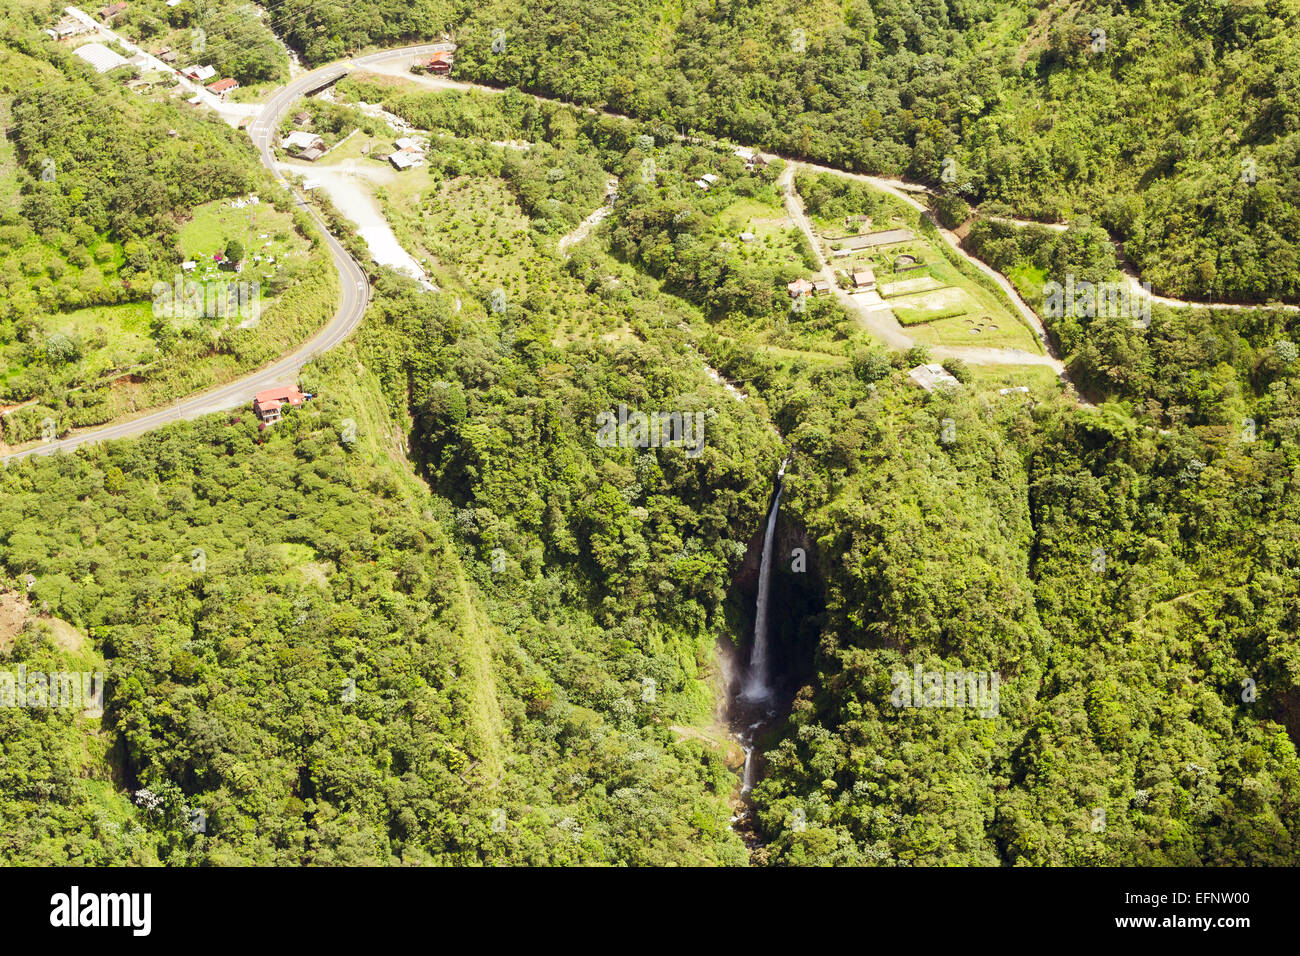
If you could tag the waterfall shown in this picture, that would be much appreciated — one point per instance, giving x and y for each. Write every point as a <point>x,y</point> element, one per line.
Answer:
<point>756,685</point>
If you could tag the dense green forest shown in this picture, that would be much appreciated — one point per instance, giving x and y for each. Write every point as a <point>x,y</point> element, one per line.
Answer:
<point>431,618</point>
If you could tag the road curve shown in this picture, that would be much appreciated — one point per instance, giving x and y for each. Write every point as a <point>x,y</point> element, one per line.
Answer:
<point>355,289</point>
<point>354,292</point>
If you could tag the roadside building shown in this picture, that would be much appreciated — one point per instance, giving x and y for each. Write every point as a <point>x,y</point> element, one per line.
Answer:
<point>68,27</point>
<point>269,405</point>
<point>864,280</point>
<point>440,63</point>
<point>200,74</point>
<point>799,287</point>
<point>222,87</point>
<point>111,12</point>
<point>300,142</point>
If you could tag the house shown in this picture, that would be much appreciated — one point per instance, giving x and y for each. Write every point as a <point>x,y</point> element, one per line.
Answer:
<point>301,118</point>
<point>269,405</point>
<point>404,160</point>
<point>167,55</point>
<point>408,145</point>
<point>440,63</point>
<point>933,376</point>
<point>864,280</point>
<point>111,12</point>
<point>300,142</point>
<point>799,287</point>
<point>68,27</point>
<point>100,57</point>
<point>200,74</point>
<point>750,158</point>
<point>311,155</point>
<point>222,87</point>
<point>821,287</point>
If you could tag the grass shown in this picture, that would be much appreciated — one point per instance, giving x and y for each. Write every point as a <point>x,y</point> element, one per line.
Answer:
<point>216,222</point>
<point>1041,380</point>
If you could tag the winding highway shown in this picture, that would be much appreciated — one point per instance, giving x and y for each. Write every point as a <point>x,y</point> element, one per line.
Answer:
<point>354,292</point>
<point>354,286</point>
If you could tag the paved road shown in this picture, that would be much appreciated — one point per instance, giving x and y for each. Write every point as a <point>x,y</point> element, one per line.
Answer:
<point>354,292</point>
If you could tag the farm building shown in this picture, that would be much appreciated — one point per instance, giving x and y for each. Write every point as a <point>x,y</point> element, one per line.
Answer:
<point>405,160</point>
<point>100,57</point>
<point>864,280</point>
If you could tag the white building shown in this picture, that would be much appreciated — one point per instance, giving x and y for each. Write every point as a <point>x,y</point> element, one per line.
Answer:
<point>100,57</point>
<point>933,376</point>
<point>300,140</point>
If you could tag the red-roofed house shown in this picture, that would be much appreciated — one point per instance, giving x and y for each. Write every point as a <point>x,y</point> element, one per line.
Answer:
<point>439,63</point>
<point>222,87</point>
<point>270,404</point>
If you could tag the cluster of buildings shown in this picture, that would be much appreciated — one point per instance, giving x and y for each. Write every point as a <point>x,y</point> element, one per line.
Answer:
<point>801,287</point>
<point>303,145</point>
<point>103,59</point>
<point>204,72</point>
<point>409,152</point>
<point>66,28</point>
<point>751,159</point>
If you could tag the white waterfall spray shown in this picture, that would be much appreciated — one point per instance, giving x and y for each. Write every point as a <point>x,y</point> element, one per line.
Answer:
<point>756,687</point>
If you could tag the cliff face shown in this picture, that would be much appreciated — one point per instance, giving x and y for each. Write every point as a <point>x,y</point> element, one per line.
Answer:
<point>795,604</point>
<point>790,534</point>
